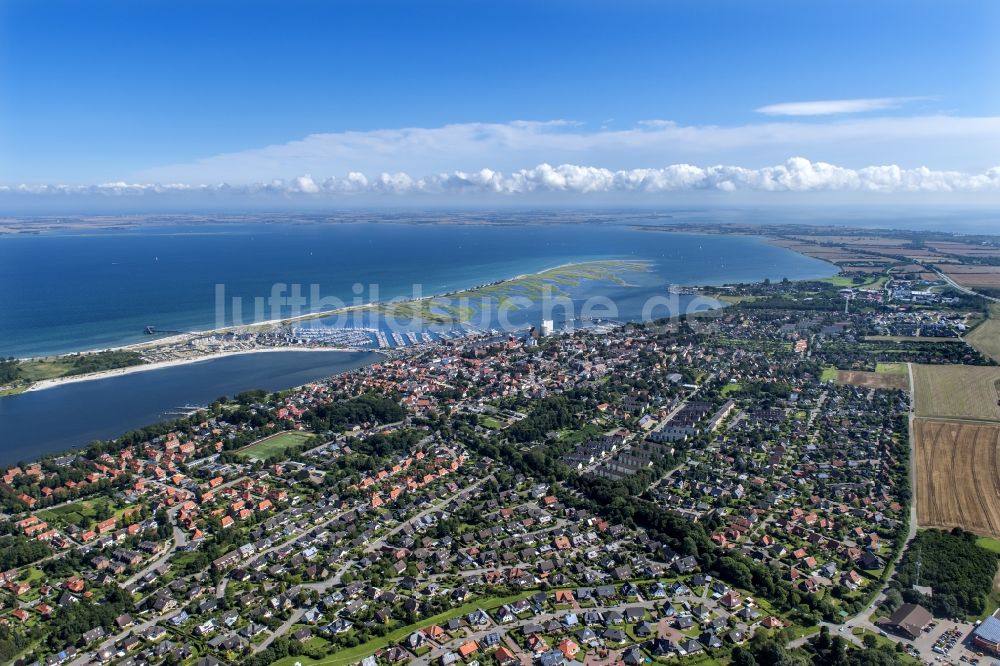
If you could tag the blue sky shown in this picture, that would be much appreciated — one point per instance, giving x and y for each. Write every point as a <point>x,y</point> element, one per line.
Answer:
<point>143,92</point>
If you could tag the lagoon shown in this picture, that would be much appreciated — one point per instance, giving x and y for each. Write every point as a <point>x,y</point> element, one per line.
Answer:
<point>72,291</point>
<point>56,419</point>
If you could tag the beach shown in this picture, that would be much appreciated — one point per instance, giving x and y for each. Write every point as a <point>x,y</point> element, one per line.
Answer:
<point>160,365</point>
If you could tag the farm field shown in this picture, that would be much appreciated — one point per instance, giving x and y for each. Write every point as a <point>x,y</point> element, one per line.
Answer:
<point>976,279</point>
<point>957,391</point>
<point>886,375</point>
<point>958,477</point>
<point>986,337</point>
<point>275,445</point>
<point>879,380</point>
<point>909,338</point>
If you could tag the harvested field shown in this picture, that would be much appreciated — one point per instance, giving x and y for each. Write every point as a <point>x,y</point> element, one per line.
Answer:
<point>965,249</point>
<point>909,338</point>
<point>986,336</point>
<point>957,391</point>
<point>831,254</point>
<point>958,477</point>
<point>875,380</point>
<point>869,267</point>
<point>971,268</point>
<point>975,279</point>
<point>857,240</point>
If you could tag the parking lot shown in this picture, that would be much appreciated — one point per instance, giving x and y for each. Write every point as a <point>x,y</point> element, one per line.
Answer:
<point>947,642</point>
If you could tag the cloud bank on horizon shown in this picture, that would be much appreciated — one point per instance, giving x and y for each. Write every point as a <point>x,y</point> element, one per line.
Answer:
<point>796,175</point>
<point>862,155</point>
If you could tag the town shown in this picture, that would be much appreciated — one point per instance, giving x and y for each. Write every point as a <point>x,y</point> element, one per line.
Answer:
<point>713,489</point>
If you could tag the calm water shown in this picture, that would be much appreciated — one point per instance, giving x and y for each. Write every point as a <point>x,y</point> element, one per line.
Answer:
<point>39,422</point>
<point>71,292</point>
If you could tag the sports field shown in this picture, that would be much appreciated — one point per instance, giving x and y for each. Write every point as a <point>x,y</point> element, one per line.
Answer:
<point>958,475</point>
<point>273,446</point>
<point>957,391</point>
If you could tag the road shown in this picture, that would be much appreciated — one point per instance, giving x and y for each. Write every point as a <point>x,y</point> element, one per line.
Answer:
<point>86,657</point>
<point>863,618</point>
<point>180,539</point>
<point>322,586</point>
<point>964,290</point>
<point>435,506</point>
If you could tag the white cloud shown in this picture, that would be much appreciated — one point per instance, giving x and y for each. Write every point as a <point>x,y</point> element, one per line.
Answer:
<point>794,175</point>
<point>946,142</point>
<point>835,106</point>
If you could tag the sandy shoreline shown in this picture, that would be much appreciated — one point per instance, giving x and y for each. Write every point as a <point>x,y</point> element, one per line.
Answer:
<point>267,324</point>
<point>322,314</point>
<point>159,365</point>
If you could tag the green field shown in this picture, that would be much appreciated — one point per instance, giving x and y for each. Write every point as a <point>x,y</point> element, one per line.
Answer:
<point>838,281</point>
<point>986,336</point>
<point>989,544</point>
<point>891,368</point>
<point>848,281</point>
<point>730,388</point>
<point>829,374</point>
<point>490,422</point>
<point>82,513</point>
<point>275,445</point>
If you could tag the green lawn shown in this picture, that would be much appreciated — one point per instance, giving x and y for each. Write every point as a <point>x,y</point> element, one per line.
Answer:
<point>882,640</point>
<point>829,374</point>
<point>891,368</point>
<point>848,281</point>
<point>45,368</point>
<point>34,575</point>
<point>490,422</point>
<point>275,445</point>
<point>730,388</point>
<point>82,513</point>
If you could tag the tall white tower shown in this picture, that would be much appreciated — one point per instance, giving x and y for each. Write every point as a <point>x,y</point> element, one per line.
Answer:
<point>847,295</point>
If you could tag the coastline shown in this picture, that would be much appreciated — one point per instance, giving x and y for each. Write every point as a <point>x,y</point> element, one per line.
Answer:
<point>320,314</point>
<point>181,338</point>
<point>160,365</point>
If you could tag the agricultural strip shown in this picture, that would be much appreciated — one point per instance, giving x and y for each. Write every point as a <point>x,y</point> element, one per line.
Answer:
<point>957,391</point>
<point>874,380</point>
<point>986,337</point>
<point>958,477</point>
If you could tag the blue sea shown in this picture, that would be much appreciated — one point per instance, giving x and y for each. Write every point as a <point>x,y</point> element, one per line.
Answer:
<point>64,292</point>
